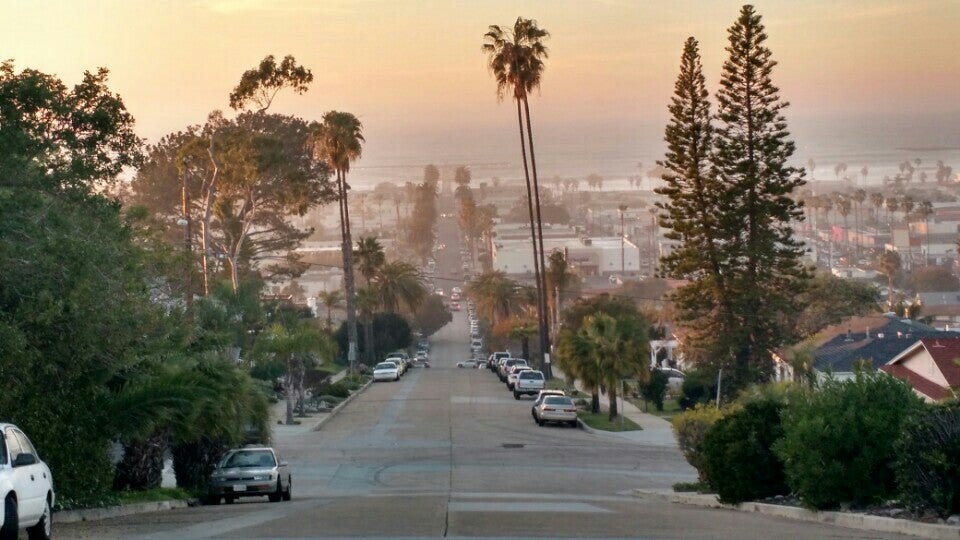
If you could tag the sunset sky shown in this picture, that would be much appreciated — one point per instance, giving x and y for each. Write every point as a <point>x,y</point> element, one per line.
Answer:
<point>413,71</point>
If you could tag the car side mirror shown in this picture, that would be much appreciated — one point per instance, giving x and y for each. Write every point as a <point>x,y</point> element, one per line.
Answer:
<point>24,459</point>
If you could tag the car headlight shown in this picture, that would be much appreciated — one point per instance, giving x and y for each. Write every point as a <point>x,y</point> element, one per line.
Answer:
<point>261,477</point>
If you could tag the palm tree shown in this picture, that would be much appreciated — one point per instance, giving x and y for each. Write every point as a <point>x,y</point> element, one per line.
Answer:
<point>620,347</point>
<point>290,346</point>
<point>843,208</point>
<point>925,209</point>
<point>338,141</point>
<point>370,257</point>
<point>367,304</point>
<point>858,197</point>
<point>890,267</point>
<point>516,58</point>
<point>521,330</point>
<point>330,299</point>
<point>876,198</point>
<point>559,277</point>
<point>576,359</point>
<point>399,284</point>
<point>495,295</point>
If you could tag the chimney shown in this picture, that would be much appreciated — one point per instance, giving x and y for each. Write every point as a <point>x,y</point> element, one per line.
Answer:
<point>849,337</point>
<point>868,332</point>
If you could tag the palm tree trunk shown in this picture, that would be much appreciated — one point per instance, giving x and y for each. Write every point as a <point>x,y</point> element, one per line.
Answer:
<point>595,401</point>
<point>533,228</point>
<point>288,390</point>
<point>368,339</point>
<point>544,329</point>
<point>612,393</point>
<point>348,268</point>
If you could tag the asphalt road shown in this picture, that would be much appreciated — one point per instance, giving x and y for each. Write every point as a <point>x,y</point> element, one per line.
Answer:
<point>448,452</point>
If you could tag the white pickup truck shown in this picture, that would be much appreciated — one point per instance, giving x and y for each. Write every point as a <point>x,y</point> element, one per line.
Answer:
<point>26,486</point>
<point>528,382</point>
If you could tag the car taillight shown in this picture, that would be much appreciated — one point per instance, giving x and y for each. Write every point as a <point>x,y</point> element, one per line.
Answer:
<point>549,409</point>
<point>569,410</point>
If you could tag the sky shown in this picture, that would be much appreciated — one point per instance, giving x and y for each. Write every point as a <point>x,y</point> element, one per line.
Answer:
<point>414,73</point>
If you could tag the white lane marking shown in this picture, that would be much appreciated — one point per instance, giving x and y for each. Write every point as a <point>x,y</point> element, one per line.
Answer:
<point>480,400</point>
<point>527,507</point>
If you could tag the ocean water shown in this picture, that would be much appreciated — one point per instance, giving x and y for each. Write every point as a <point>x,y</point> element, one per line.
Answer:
<point>616,149</point>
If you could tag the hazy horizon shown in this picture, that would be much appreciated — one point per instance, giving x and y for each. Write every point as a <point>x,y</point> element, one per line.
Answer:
<point>870,83</point>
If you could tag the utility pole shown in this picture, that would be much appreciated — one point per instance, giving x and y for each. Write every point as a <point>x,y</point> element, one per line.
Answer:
<point>623,267</point>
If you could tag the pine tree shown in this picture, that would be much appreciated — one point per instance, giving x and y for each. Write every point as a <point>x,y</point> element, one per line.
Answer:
<point>751,149</point>
<point>691,213</point>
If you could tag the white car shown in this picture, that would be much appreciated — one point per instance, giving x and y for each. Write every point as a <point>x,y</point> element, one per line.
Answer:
<point>467,364</point>
<point>386,371</point>
<point>560,409</point>
<point>514,374</point>
<point>26,485</point>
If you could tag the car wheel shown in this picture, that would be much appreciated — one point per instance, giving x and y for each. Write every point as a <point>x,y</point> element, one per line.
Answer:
<point>288,494</point>
<point>11,523</point>
<point>516,395</point>
<point>540,422</point>
<point>229,499</point>
<point>573,423</point>
<point>277,496</point>
<point>397,379</point>
<point>41,531</point>
<point>212,500</point>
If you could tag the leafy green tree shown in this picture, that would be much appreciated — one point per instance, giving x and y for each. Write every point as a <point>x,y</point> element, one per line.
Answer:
<point>431,315</point>
<point>338,141</point>
<point>934,279</point>
<point>330,300</point>
<point>390,333</point>
<point>829,300</point>
<point>290,344</point>
<point>399,284</point>
<point>260,86</point>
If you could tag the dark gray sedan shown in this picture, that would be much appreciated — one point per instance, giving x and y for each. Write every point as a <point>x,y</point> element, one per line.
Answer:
<point>250,472</point>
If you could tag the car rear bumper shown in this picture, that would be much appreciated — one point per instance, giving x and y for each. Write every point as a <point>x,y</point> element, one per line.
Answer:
<point>241,489</point>
<point>558,416</point>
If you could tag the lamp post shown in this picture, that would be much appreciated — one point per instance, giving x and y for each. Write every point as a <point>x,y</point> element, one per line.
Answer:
<point>623,267</point>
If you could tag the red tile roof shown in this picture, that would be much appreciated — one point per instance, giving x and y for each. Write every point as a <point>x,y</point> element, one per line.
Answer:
<point>945,353</point>
<point>921,384</point>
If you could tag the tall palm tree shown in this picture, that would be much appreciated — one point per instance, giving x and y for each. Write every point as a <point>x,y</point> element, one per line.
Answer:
<point>859,196</point>
<point>521,330</point>
<point>370,257</point>
<point>399,284</point>
<point>620,348</point>
<point>516,58</point>
<point>559,277</point>
<point>876,199</point>
<point>338,141</point>
<point>330,300</point>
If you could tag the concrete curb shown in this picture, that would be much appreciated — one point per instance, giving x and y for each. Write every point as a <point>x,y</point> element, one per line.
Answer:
<point>96,514</point>
<point>582,425</point>
<point>848,520</point>
<point>336,410</point>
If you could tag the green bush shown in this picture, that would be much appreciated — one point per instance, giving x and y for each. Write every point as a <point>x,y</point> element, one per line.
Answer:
<point>699,386</point>
<point>654,389</point>
<point>690,428</point>
<point>928,460</point>
<point>737,454</point>
<point>838,439</point>
<point>337,389</point>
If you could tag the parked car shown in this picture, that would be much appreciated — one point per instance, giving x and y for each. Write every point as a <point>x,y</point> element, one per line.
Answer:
<point>250,472</point>
<point>559,409</point>
<point>26,485</point>
<point>528,382</point>
<point>454,306</point>
<point>506,364</point>
<point>541,396</point>
<point>495,357</point>
<point>386,371</point>
<point>514,373</point>
<point>471,363</point>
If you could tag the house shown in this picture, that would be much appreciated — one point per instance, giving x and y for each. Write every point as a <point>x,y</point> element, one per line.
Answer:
<point>876,339</point>
<point>943,308</point>
<point>931,367</point>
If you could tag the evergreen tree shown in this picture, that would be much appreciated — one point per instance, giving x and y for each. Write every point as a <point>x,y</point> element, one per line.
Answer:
<point>691,213</point>
<point>751,149</point>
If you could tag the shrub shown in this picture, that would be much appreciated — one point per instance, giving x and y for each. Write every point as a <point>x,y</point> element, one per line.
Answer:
<point>655,388</point>
<point>837,443</point>
<point>928,460</point>
<point>337,389</point>
<point>699,386</point>
<point>690,428</point>
<point>737,454</point>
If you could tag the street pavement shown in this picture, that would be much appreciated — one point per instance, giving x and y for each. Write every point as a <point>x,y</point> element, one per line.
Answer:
<point>448,452</point>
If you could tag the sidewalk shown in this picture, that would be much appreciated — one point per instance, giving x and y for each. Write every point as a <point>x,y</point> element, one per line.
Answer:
<point>656,431</point>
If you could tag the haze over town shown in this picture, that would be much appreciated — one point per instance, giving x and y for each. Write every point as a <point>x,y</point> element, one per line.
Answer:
<point>866,80</point>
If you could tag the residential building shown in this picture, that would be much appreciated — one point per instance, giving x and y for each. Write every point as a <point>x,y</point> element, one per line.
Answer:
<point>931,367</point>
<point>513,253</point>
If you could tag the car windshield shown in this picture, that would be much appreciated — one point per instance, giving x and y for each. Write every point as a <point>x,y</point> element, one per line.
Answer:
<point>386,365</point>
<point>249,458</point>
<point>558,400</point>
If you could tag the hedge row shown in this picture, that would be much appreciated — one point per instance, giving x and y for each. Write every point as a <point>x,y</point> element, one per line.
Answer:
<point>853,442</point>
